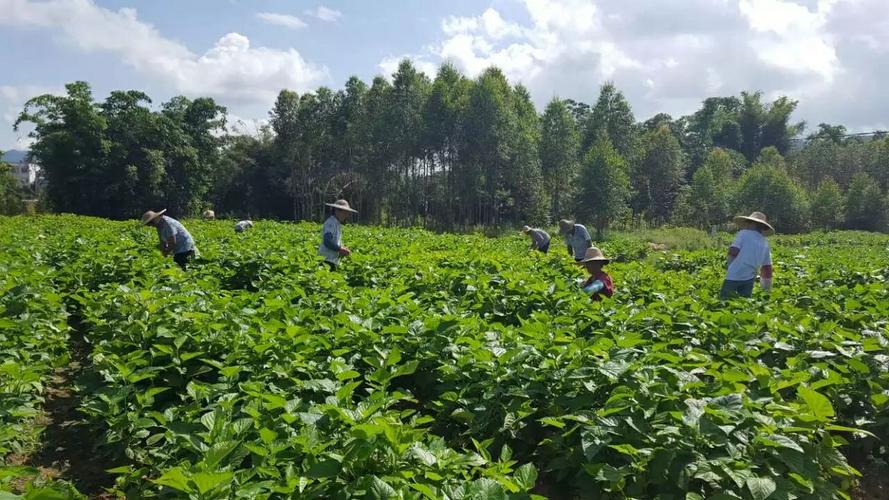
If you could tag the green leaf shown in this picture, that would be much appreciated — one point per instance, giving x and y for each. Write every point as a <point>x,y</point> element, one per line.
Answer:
<point>380,490</point>
<point>175,478</point>
<point>323,469</point>
<point>207,481</point>
<point>760,487</point>
<point>526,476</point>
<point>209,420</point>
<point>426,490</point>
<point>267,435</point>
<point>818,404</point>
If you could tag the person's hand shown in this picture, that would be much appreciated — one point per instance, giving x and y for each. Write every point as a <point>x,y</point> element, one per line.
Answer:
<point>344,251</point>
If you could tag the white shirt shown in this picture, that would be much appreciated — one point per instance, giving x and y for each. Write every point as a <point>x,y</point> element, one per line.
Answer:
<point>331,225</point>
<point>242,225</point>
<point>754,253</point>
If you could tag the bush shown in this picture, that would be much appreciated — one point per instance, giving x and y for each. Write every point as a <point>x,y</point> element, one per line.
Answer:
<point>828,211</point>
<point>767,187</point>
<point>865,206</point>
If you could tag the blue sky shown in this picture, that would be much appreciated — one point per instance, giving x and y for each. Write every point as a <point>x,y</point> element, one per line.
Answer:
<point>666,55</point>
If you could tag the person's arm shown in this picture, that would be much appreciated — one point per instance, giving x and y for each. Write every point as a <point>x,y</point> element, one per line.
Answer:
<point>594,287</point>
<point>765,272</point>
<point>765,277</point>
<point>329,243</point>
<point>168,245</point>
<point>733,252</point>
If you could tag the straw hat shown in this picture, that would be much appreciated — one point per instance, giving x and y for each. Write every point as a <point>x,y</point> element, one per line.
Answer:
<point>757,217</point>
<point>209,214</point>
<point>566,225</point>
<point>149,216</point>
<point>342,205</point>
<point>593,254</point>
<point>526,229</point>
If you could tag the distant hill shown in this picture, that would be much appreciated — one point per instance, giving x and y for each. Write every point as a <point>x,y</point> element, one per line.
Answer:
<point>14,156</point>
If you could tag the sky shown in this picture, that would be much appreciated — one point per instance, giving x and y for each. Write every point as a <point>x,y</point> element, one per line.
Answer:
<point>665,55</point>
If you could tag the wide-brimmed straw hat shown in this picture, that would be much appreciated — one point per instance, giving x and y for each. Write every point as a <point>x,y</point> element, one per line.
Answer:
<point>593,254</point>
<point>149,216</point>
<point>566,225</point>
<point>757,217</point>
<point>342,205</point>
<point>526,229</point>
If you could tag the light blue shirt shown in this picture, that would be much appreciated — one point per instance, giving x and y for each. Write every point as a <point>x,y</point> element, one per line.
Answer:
<point>170,227</point>
<point>331,225</point>
<point>579,241</point>
<point>754,253</point>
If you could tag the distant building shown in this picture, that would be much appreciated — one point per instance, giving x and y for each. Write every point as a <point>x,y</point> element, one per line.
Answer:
<point>27,174</point>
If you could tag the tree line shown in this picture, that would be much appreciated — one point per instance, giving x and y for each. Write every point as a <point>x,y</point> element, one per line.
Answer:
<point>453,152</point>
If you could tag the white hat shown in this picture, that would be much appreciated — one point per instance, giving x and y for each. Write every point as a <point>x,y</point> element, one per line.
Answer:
<point>342,205</point>
<point>759,218</point>
<point>593,254</point>
<point>149,216</point>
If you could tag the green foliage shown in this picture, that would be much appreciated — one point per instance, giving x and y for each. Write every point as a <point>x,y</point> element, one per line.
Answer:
<point>613,117</point>
<point>604,185</point>
<point>559,147</point>
<point>865,206</point>
<point>450,154</point>
<point>10,193</point>
<point>707,200</point>
<point>659,175</point>
<point>766,187</point>
<point>828,206</point>
<point>118,157</point>
<point>458,366</point>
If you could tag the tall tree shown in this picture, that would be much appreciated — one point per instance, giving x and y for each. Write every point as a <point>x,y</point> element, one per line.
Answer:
<point>445,141</point>
<point>604,185</point>
<point>865,206</point>
<point>706,201</point>
<point>70,146</point>
<point>828,210</point>
<point>559,148</point>
<point>659,174</point>
<point>490,121</point>
<point>827,132</point>
<point>768,188</point>
<point>289,151</point>
<point>523,179</point>
<point>10,193</point>
<point>613,117</point>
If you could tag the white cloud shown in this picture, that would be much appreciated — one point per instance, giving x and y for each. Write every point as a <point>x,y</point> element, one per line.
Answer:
<point>389,65</point>
<point>324,13</point>
<point>826,53</point>
<point>289,22</point>
<point>12,101</point>
<point>232,70</point>
<point>490,23</point>
<point>797,40</point>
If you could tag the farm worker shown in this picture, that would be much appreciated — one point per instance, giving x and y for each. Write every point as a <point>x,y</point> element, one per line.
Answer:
<point>599,283</point>
<point>243,225</point>
<point>747,255</point>
<point>539,238</point>
<point>332,233</point>
<point>174,238</point>
<point>208,214</point>
<point>577,238</point>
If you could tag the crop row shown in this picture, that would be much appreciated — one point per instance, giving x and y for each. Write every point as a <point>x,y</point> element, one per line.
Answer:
<point>462,367</point>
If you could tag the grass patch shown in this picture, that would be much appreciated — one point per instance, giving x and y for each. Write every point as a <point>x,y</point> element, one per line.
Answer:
<point>674,238</point>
